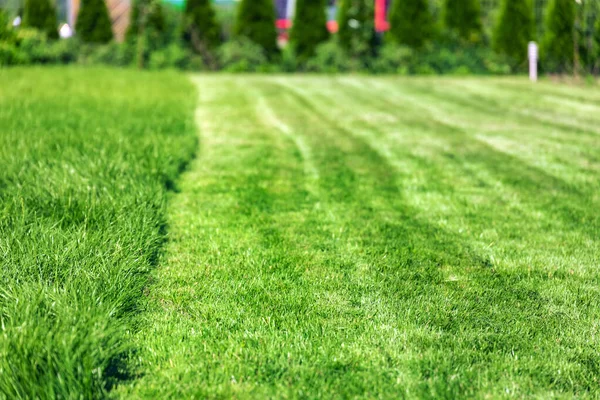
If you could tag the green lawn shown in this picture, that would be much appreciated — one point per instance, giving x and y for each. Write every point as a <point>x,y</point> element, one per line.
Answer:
<point>335,237</point>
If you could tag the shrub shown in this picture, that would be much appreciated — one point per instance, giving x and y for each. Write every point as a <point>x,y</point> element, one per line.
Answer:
<point>41,15</point>
<point>463,17</point>
<point>331,58</point>
<point>174,56</point>
<point>557,46</point>
<point>256,21</point>
<point>514,30</point>
<point>201,31</point>
<point>411,23</point>
<point>356,33</point>
<point>393,59</point>
<point>93,22</point>
<point>242,55</point>
<point>10,55</point>
<point>309,28</point>
<point>114,54</point>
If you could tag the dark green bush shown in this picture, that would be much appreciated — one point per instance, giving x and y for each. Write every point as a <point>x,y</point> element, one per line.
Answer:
<point>10,55</point>
<point>309,29</point>
<point>557,47</point>
<point>175,56</point>
<point>201,31</point>
<point>411,23</point>
<point>242,55</point>
<point>93,22</point>
<point>256,21</point>
<point>356,33</point>
<point>514,30</point>
<point>439,59</point>
<point>115,54</point>
<point>393,59</point>
<point>463,18</point>
<point>41,15</point>
<point>331,58</point>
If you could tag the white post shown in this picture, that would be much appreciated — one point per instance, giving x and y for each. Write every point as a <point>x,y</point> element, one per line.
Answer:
<point>533,61</point>
<point>291,9</point>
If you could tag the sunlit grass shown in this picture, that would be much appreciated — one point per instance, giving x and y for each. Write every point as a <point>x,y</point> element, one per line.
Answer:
<point>86,157</point>
<point>381,238</point>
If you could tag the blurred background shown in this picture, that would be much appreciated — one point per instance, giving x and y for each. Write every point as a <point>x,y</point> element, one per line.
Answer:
<point>374,36</point>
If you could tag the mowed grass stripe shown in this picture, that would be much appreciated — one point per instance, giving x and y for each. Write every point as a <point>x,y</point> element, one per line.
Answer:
<point>425,262</point>
<point>87,158</point>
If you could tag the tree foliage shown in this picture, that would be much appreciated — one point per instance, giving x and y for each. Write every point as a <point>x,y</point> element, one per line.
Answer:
<point>463,17</point>
<point>150,14</point>
<point>201,30</point>
<point>514,30</point>
<point>309,28</point>
<point>558,43</point>
<point>41,15</point>
<point>256,21</point>
<point>93,22</point>
<point>411,23</point>
<point>6,33</point>
<point>356,32</point>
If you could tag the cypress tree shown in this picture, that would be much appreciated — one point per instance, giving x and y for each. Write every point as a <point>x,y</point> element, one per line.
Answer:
<point>463,17</point>
<point>93,22</point>
<point>41,15</point>
<point>5,30</point>
<point>596,47</point>
<point>155,24</point>
<point>411,23</point>
<point>309,28</point>
<point>356,23</point>
<point>200,26</point>
<point>256,21</point>
<point>558,43</point>
<point>514,30</point>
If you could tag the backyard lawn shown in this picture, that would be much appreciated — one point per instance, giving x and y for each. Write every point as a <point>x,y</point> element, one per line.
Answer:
<point>334,236</point>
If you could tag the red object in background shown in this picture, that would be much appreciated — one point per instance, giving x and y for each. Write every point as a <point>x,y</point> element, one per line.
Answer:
<point>332,26</point>
<point>381,23</point>
<point>283,24</point>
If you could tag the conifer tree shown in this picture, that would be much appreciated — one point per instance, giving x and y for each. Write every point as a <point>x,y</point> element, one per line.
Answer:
<point>558,44</point>
<point>356,23</point>
<point>256,21</point>
<point>5,30</point>
<point>41,15</point>
<point>514,30</point>
<point>155,25</point>
<point>463,17</point>
<point>93,22</point>
<point>411,23</point>
<point>309,28</point>
<point>201,30</point>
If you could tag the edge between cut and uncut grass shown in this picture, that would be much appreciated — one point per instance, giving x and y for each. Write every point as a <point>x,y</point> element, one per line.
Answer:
<point>88,157</point>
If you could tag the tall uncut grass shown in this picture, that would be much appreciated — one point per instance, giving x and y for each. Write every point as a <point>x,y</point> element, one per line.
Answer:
<point>87,158</point>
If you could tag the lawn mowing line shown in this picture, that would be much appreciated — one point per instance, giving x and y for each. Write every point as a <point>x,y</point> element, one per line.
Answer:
<point>525,113</point>
<point>268,115</point>
<point>514,169</point>
<point>384,158</point>
<point>559,151</point>
<point>374,129</point>
<point>483,281</point>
